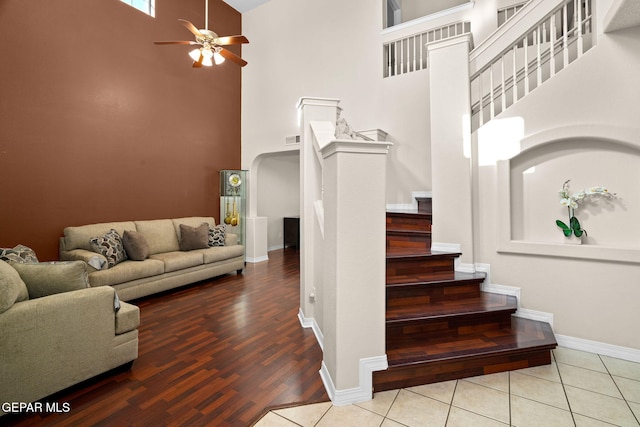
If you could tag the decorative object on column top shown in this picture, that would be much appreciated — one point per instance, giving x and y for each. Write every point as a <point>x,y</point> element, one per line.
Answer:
<point>573,232</point>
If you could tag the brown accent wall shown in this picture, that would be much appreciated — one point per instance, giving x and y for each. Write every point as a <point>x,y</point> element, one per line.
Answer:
<point>99,124</point>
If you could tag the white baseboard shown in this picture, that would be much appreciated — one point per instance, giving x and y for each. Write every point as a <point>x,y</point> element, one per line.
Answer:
<point>401,206</point>
<point>413,206</point>
<point>604,349</point>
<point>445,247</point>
<point>540,316</point>
<point>274,248</point>
<point>310,322</point>
<point>257,259</point>
<point>364,391</point>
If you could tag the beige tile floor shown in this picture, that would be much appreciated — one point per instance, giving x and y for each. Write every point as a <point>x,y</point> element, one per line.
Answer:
<point>577,389</point>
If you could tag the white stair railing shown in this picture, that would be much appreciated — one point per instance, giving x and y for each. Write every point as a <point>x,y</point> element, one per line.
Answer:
<point>409,53</point>
<point>537,55</point>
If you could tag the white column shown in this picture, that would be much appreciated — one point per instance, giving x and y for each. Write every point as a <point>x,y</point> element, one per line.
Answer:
<point>354,177</point>
<point>450,132</point>
<point>310,109</point>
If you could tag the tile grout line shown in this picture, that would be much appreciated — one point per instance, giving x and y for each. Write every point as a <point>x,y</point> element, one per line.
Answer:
<point>446,421</point>
<point>564,390</point>
<point>618,388</point>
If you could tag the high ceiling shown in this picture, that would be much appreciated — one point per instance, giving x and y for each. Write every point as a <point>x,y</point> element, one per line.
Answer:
<point>244,5</point>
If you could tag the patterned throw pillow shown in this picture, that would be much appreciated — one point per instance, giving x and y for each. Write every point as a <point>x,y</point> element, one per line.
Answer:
<point>20,253</point>
<point>110,246</point>
<point>217,234</point>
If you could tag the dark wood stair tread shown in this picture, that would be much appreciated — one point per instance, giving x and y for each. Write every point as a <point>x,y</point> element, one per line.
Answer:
<point>524,336</point>
<point>486,303</point>
<point>443,278</point>
<point>404,232</point>
<point>402,253</point>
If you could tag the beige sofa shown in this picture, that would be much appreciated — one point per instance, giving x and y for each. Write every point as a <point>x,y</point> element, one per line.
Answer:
<point>165,268</point>
<point>56,332</point>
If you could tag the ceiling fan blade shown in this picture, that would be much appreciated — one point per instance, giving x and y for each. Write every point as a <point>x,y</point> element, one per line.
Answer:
<point>198,63</point>
<point>177,42</point>
<point>232,57</point>
<point>223,41</point>
<point>191,27</point>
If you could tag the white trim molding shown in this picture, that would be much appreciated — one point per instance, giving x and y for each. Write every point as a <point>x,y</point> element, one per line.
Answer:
<point>310,322</point>
<point>362,393</point>
<point>604,349</point>
<point>258,259</point>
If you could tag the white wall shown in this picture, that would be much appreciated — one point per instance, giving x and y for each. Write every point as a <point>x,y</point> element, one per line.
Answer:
<point>593,299</point>
<point>278,186</point>
<point>331,48</point>
<point>412,9</point>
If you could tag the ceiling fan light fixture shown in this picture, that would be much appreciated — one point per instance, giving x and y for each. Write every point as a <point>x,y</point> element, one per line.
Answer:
<point>219,59</point>
<point>195,54</point>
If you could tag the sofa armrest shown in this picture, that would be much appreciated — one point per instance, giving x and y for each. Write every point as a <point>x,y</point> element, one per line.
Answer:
<point>50,343</point>
<point>127,318</point>
<point>92,259</point>
<point>230,239</point>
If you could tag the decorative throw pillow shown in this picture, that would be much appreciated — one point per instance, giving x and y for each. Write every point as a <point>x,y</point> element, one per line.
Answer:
<point>47,278</point>
<point>194,237</point>
<point>12,288</point>
<point>20,253</point>
<point>135,245</point>
<point>217,234</point>
<point>110,246</point>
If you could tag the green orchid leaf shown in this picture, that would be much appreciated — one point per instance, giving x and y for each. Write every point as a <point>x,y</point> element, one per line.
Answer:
<point>565,229</point>
<point>575,226</point>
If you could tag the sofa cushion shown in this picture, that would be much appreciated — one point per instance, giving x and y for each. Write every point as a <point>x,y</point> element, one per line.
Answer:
<point>194,237</point>
<point>12,288</point>
<point>174,261</point>
<point>78,237</point>
<point>160,235</point>
<point>125,272</point>
<point>47,278</point>
<point>19,253</point>
<point>221,253</point>
<point>217,235</point>
<point>135,245</point>
<point>110,246</point>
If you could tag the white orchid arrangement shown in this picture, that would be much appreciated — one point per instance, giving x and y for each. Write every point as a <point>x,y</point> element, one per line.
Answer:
<point>572,201</point>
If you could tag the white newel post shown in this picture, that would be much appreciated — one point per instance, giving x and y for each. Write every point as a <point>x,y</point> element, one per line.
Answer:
<point>349,285</point>
<point>451,146</point>
<point>310,109</point>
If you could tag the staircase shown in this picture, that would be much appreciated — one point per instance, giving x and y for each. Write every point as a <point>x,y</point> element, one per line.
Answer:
<point>440,325</point>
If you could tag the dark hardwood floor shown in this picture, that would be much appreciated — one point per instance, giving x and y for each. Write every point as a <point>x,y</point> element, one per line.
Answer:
<point>216,353</point>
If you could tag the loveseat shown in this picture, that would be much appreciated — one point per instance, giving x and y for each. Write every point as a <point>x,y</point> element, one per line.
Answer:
<point>161,255</point>
<point>55,331</point>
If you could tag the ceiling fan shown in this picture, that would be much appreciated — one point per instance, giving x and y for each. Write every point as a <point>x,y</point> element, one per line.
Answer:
<point>211,45</point>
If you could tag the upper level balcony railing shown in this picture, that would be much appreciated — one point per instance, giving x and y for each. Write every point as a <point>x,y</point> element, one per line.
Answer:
<point>534,55</point>
<point>410,53</point>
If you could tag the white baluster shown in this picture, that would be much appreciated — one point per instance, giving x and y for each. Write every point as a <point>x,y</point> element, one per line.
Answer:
<point>526,64</point>
<point>538,40</point>
<point>492,112</point>
<point>578,12</point>
<point>515,74</point>
<point>565,37</point>
<point>552,47</point>
<point>503,95</point>
<point>481,96</point>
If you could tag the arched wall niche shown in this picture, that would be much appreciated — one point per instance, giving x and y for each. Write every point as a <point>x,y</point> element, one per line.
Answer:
<point>276,191</point>
<point>589,156</point>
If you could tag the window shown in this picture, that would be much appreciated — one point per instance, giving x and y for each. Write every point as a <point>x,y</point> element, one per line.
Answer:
<point>146,6</point>
<point>505,13</point>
